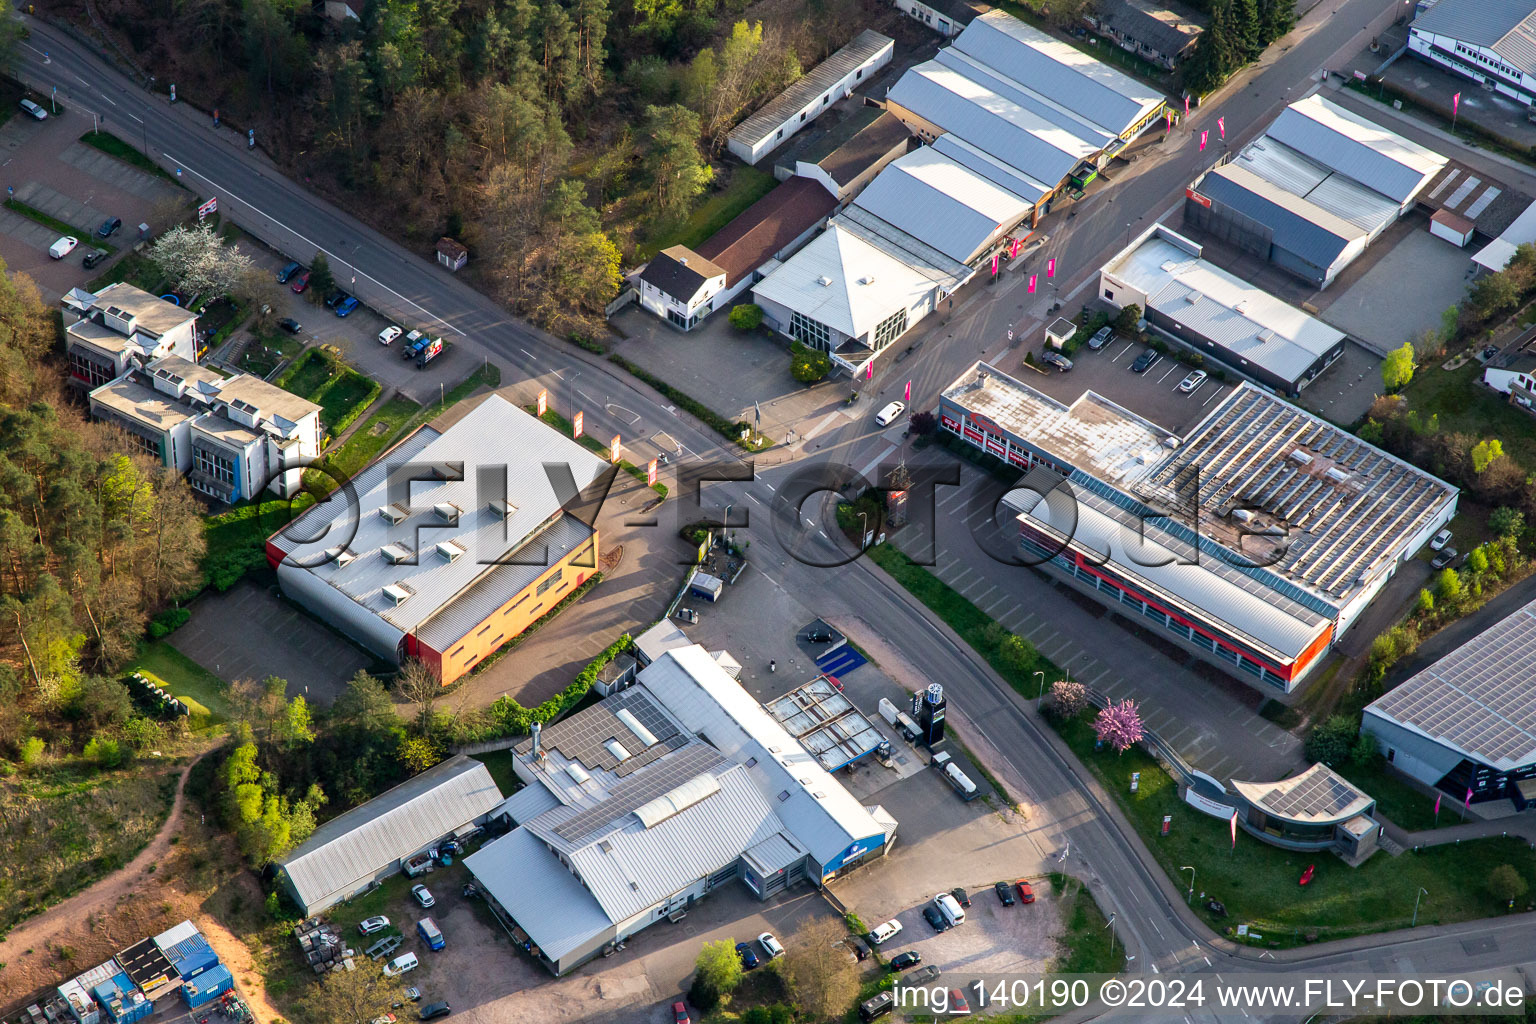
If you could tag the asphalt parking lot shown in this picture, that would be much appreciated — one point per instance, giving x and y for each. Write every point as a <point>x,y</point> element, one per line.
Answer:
<point>1439,272</point>
<point>488,981</point>
<point>993,939</point>
<point>1154,395</point>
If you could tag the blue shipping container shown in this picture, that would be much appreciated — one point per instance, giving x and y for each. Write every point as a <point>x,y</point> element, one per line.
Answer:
<point>207,986</point>
<point>194,964</point>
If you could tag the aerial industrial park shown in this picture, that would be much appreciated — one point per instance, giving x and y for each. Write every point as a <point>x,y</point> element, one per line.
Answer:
<point>773,513</point>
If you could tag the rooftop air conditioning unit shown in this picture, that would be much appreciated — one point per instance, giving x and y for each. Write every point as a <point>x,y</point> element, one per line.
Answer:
<point>1192,296</point>
<point>824,281</point>
<point>867,279</point>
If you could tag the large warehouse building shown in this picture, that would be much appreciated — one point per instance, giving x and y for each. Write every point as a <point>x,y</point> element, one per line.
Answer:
<point>1297,524</point>
<point>640,805</point>
<point>1198,305</point>
<point>1313,191</point>
<point>1467,724</point>
<point>1011,116</point>
<point>472,540</point>
<point>1492,42</point>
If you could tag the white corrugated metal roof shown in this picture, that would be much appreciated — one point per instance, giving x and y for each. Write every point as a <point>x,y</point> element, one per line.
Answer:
<point>528,803</point>
<point>1346,142</point>
<point>805,90</point>
<point>820,813</point>
<point>1246,320</point>
<point>494,435</point>
<point>1507,27</point>
<point>864,284</point>
<point>1012,133</point>
<point>540,893</point>
<point>396,824</point>
<point>1199,591</point>
<point>991,168</point>
<point>1109,98</point>
<point>1495,256</point>
<point>942,202</point>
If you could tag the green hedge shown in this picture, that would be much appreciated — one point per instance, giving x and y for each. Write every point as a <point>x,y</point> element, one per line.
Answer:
<point>722,426</point>
<point>168,622</point>
<point>512,719</point>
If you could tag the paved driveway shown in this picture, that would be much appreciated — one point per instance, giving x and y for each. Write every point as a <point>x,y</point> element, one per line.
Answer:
<point>248,632</point>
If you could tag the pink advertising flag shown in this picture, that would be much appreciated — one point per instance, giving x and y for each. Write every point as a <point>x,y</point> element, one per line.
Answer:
<point>1013,253</point>
<point>1468,802</point>
<point>1438,798</point>
<point>1032,279</point>
<point>1221,126</point>
<point>869,371</point>
<point>994,264</point>
<point>1455,104</point>
<point>1234,828</point>
<point>1203,136</point>
<point>1186,106</point>
<point>1170,120</point>
<point>1050,267</point>
<point>908,396</point>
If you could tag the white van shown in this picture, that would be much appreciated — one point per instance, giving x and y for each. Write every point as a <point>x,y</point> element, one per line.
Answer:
<point>400,964</point>
<point>63,247</point>
<point>950,908</point>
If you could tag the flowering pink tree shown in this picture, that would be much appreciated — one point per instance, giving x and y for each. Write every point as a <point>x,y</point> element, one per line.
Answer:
<point>1119,725</point>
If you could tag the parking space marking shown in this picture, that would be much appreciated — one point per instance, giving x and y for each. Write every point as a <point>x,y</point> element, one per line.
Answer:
<point>1172,367</point>
<point>1214,395</point>
<point>1116,357</point>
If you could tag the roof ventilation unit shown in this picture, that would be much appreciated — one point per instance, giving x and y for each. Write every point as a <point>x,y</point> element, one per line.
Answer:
<point>867,279</point>
<point>615,748</point>
<point>448,512</point>
<point>1192,296</point>
<point>824,281</point>
<point>450,550</point>
<point>1297,455</point>
<point>397,592</point>
<point>340,555</point>
<point>577,773</point>
<point>503,509</point>
<point>396,553</point>
<point>395,513</point>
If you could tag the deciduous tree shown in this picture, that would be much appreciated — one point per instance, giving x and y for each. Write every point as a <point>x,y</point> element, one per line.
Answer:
<point>821,976</point>
<point>199,262</point>
<point>1119,725</point>
<point>1506,884</point>
<point>717,972</point>
<point>1397,368</point>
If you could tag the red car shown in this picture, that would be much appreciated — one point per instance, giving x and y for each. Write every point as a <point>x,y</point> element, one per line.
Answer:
<point>680,1013</point>
<point>1026,894</point>
<point>300,281</point>
<point>957,1003</point>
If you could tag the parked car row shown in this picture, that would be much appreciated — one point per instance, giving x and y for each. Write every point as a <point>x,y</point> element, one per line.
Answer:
<point>772,950</point>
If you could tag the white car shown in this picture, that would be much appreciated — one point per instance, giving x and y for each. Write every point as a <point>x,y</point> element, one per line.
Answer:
<point>423,896</point>
<point>1193,381</point>
<point>1440,540</point>
<point>37,112</point>
<point>400,964</point>
<point>885,417</point>
<point>373,924</point>
<point>771,945</point>
<point>389,334</point>
<point>885,932</point>
<point>63,247</point>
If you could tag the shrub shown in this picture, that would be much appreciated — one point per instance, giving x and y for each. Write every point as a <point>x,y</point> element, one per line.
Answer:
<point>1506,885</point>
<point>168,622</point>
<point>107,753</point>
<point>32,749</point>
<point>1397,368</point>
<point>1507,522</point>
<point>1333,740</point>
<point>923,423</point>
<point>1424,605</point>
<point>808,365</point>
<point>1477,561</point>
<point>1447,585</point>
<point>1125,322</point>
<point>746,317</point>
<point>717,972</point>
<point>1365,753</point>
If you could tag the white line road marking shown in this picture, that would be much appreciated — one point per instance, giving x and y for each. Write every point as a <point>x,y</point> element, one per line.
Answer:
<point>823,535</point>
<point>525,352</point>
<point>1214,395</point>
<point>768,485</point>
<point>821,425</point>
<point>1122,352</point>
<point>221,190</point>
<point>752,499</point>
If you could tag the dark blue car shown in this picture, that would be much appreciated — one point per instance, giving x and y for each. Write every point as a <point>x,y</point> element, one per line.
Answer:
<point>109,227</point>
<point>748,957</point>
<point>346,306</point>
<point>291,268</point>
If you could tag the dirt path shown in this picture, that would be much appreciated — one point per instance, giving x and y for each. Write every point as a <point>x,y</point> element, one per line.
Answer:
<point>100,913</point>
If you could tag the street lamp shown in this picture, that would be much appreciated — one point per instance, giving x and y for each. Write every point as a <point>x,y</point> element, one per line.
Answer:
<point>1039,697</point>
<point>1191,871</point>
<point>1110,927</point>
<point>1421,894</point>
<point>863,529</point>
<point>572,407</point>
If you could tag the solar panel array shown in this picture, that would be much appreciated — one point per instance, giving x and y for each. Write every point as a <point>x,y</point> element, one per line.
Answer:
<point>663,777</point>
<point>143,962</point>
<point>1320,794</point>
<point>1481,697</point>
<point>583,736</point>
<point>1349,505</point>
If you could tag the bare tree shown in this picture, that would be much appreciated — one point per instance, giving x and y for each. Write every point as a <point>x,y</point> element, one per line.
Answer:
<point>419,684</point>
<point>349,997</point>
<point>197,260</point>
<point>819,971</point>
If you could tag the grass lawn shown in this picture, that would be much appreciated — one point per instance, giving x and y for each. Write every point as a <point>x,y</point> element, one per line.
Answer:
<point>747,186</point>
<point>342,393</point>
<point>372,437</point>
<point>205,693</point>
<point>266,350</point>
<point>1258,883</point>
<point>1015,659</point>
<point>1464,407</point>
<point>237,539</point>
<point>1395,799</point>
<point>597,448</point>
<point>85,236</point>
<point>137,270</point>
<point>113,146</point>
<point>1085,944</point>
<point>499,764</point>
